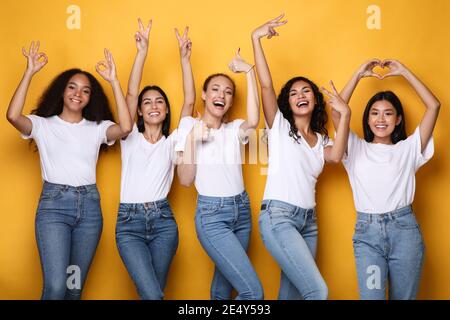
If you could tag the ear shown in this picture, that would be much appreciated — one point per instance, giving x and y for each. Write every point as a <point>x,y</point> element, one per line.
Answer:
<point>203,95</point>
<point>399,120</point>
<point>139,112</point>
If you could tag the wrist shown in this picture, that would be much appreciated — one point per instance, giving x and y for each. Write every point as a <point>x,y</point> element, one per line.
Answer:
<point>250,68</point>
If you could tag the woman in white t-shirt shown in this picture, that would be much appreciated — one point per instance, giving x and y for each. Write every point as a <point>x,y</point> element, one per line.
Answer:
<point>72,120</point>
<point>298,148</point>
<point>146,230</point>
<point>387,243</point>
<point>212,159</point>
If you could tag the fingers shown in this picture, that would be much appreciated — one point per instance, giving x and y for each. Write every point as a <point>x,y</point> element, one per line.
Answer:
<point>24,52</point>
<point>141,25</point>
<point>328,93</point>
<point>277,18</point>
<point>334,88</point>
<point>149,26</point>
<point>185,33</point>
<point>101,66</point>
<point>177,34</point>
<point>43,57</point>
<point>36,49</point>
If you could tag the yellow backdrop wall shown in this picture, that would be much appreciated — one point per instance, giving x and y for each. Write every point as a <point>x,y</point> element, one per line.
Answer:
<point>326,39</point>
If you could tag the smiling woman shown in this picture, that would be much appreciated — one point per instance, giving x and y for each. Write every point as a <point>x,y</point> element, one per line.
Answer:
<point>71,122</point>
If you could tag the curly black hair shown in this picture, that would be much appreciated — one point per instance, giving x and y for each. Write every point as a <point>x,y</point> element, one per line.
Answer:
<point>51,102</point>
<point>399,132</point>
<point>140,119</point>
<point>319,117</point>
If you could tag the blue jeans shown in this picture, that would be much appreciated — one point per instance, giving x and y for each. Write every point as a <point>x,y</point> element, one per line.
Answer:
<point>223,228</point>
<point>147,239</point>
<point>388,246</point>
<point>290,234</point>
<point>68,228</point>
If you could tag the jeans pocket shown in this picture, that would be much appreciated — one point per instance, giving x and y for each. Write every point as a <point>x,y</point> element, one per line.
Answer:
<point>407,221</point>
<point>93,194</point>
<point>209,209</point>
<point>123,216</point>
<point>166,213</point>
<point>361,226</point>
<point>50,194</point>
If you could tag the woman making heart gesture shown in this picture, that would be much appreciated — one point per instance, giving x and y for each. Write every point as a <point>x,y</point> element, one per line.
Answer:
<point>387,243</point>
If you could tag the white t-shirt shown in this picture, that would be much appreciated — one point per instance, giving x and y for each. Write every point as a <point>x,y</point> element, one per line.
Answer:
<point>68,151</point>
<point>293,167</point>
<point>219,161</point>
<point>147,169</point>
<point>383,176</point>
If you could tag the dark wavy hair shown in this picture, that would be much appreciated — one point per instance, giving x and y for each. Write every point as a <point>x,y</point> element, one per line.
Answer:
<point>399,132</point>
<point>319,116</point>
<point>51,102</point>
<point>166,122</point>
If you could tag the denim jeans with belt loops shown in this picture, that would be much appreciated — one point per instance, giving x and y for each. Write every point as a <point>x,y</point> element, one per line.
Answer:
<point>68,226</point>
<point>290,234</point>
<point>223,228</point>
<point>388,248</point>
<point>147,239</point>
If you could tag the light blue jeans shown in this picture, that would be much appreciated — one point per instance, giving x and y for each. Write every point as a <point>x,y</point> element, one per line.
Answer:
<point>223,228</point>
<point>68,226</point>
<point>147,239</point>
<point>388,246</point>
<point>290,234</point>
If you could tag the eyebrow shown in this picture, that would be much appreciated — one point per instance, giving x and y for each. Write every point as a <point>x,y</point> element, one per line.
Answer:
<point>151,99</point>
<point>71,82</point>
<point>218,85</point>
<point>305,87</point>
<point>387,109</point>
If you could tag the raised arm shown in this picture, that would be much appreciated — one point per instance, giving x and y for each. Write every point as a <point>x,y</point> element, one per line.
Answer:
<point>432,104</point>
<point>269,99</point>
<point>185,46</point>
<point>238,65</point>
<point>334,154</point>
<point>364,71</point>
<point>107,69</point>
<point>35,61</point>
<point>134,82</point>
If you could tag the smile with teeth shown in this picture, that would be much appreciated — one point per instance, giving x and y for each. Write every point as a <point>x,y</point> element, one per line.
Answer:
<point>75,100</point>
<point>381,126</point>
<point>154,114</point>
<point>219,104</point>
<point>302,104</point>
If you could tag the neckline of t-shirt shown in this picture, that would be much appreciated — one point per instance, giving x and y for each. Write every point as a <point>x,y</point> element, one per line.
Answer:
<point>306,142</point>
<point>83,120</point>
<point>163,137</point>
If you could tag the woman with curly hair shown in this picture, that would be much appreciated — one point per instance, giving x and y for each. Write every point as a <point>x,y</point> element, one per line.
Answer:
<point>72,120</point>
<point>298,147</point>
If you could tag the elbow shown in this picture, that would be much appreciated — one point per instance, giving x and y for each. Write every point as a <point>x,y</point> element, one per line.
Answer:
<point>11,118</point>
<point>335,159</point>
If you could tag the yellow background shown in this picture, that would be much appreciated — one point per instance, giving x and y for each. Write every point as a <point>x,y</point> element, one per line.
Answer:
<point>323,40</point>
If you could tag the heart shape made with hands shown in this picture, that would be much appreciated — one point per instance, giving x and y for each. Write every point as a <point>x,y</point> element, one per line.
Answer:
<point>382,66</point>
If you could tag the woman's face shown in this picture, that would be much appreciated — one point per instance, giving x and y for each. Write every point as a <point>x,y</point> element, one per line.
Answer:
<point>153,107</point>
<point>218,97</point>
<point>77,93</point>
<point>301,98</point>
<point>383,119</point>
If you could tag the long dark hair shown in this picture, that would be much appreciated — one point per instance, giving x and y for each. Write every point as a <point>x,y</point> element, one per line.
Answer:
<point>399,132</point>
<point>319,116</point>
<point>51,102</point>
<point>166,122</point>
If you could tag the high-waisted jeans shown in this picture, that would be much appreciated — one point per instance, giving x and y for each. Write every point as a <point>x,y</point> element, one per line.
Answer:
<point>290,234</point>
<point>223,228</point>
<point>147,239</point>
<point>68,228</point>
<point>388,246</point>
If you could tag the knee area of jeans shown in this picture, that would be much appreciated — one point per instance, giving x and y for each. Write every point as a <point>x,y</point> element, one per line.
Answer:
<point>54,290</point>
